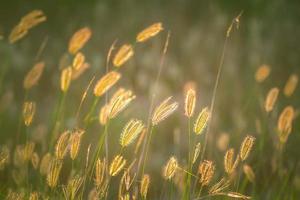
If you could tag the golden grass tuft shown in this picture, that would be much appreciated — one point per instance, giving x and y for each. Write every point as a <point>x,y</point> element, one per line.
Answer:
<point>117,165</point>
<point>271,99</point>
<point>29,108</point>
<point>170,168</point>
<point>131,131</point>
<point>54,172</point>
<point>196,152</point>
<point>79,39</point>
<point>164,110</point>
<point>123,55</point>
<point>61,147</point>
<point>149,32</point>
<point>201,121</point>
<point>78,61</point>
<point>229,163</point>
<point>74,142</point>
<point>246,147</point>
<point>72,187</point>
<point>34,75</point>
<point>190,102</point>
<point>290,85</point>
<point>284,124</point>
<point>45,163</point>
<point>145,185</point>
<point>100,171</point>
<point>65,79</point>
<point>262,73</point>
<point>206,170</point>
<point>106,82</point>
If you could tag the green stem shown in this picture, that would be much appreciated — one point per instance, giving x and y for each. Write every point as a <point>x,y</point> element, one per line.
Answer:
<point>147,149</point>
<point>188,183</point>
<point>90,113</point>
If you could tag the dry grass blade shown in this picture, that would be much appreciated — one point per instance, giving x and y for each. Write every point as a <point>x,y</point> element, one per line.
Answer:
<point>201,121</point>
<point>149,32</point>
<point>29,109</point>
<point>106,82</point>
<point>290,85</point>
<point>27,22</point>
<point>219,186</point>
<point>33,76</point>
<point>123,55</point>
<point>131,131</point>
<point>246,147</point>
<point>262,73</point>
<point>206,170</point>
<point>237,195</point>
<point>164,110</point>
<point>190,102</point>
<point>271,99</point>
<point>79,39</point>
<point>65,79</point>
<point>170,168</point>
<point>117,165</point>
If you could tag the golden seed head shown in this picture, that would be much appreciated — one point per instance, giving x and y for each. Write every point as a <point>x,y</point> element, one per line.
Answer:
<point>29,108</point>
<point>201,121</point>
<point>65,79</point>
<point>206,171</point>
<point>35,159</point>
<point>78,61</point>
<point>27,22</point>
<point>34,196</point>
<point>145,185</point>
<point>100,170</point>
<point>162,111</point>
<point>103,114</point>
<point>54,172</point>
<point>196,152</point>
<point>79,39</point>
<point>117,165</point>
<point>45,164</point>
<point>246,147</point>
<point>271,99</point>
<point>190,102</point>
<point>219,186</point>
<point>149,32</point>
<point>249,173</point>
<point>229,163</point>
<point>72,188</point>
<point>290,85</point>
<point>74,142</point>
<point>28,151</point>
<point>4,156</point>
<point>131,131</point>
<point>119,102</point>
<point>284,124</point>
<point>106,82</point>
<point>237,195</point>
<point>262,73</point>
<point>34,75</point>
<point>170,168</point>
<point>123,55</point>
<point>77,73</point>
<point>61,145</point>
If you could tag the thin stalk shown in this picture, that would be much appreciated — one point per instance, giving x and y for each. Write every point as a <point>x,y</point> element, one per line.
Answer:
<point>147,149</point>
<point>90,113</point>
<point>188,183</point>
<point>199,193</point>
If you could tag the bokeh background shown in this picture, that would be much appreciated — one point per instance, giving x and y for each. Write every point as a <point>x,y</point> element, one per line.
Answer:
<point>269,33</point>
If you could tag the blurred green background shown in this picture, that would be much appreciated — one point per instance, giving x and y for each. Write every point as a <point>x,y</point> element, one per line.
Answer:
<point>269,34</point>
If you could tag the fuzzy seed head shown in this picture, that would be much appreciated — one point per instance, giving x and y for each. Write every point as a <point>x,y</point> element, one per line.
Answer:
<point>131,131</point>
<point>61,147</point>
<point>65,79</point>
<point>106,82</point>
<point>123,55</point>
<point>271,99</point>
<point>74,142</point>
<point>249,173</point>
<point>72,188</point>
<point>100,170</point>
<point>54,172</point>
<point>164,110</point>
<point>206,171</point>
<point>201,121</point>
<point>79,39</point>
<point>190,102</point>
<point>229,163</point>
<point>290,85</point>
<point>45,164</point>
<point>262,73</point>
<point>246,147</point>
<point>196,152</point>
<point>149,32</point>
<point>284,124</point>
<point>29,108</point>
<point>34,75</point>
<point>78,61</point>
<point>103,114</point>
<point>117,165</point>
<point>170,168</point>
